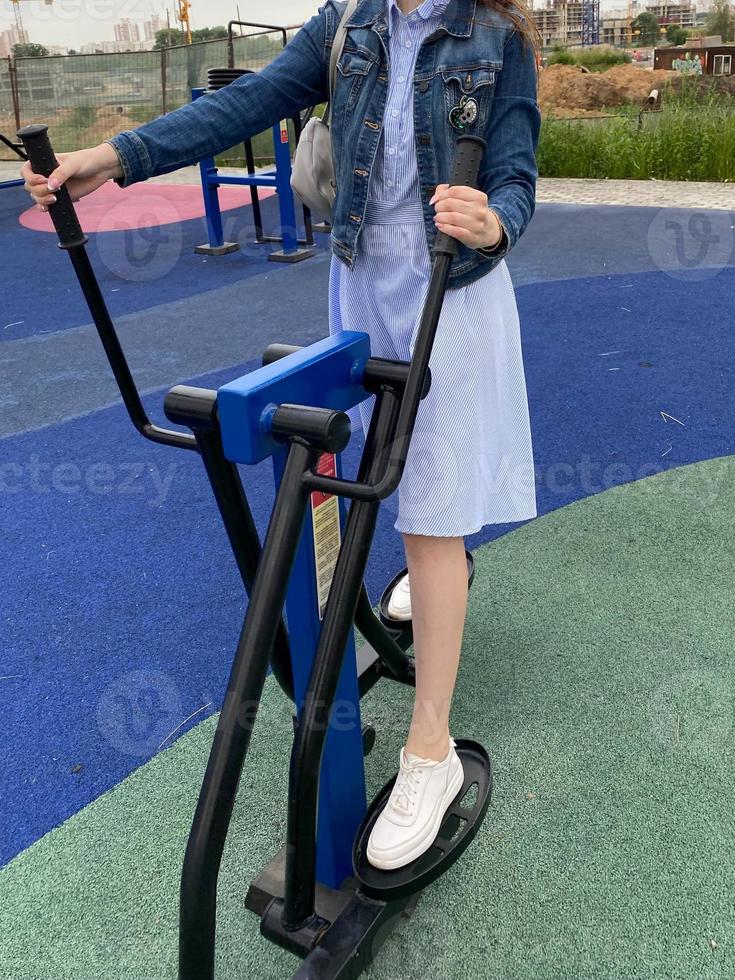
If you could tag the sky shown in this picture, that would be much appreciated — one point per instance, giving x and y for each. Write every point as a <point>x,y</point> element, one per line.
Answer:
<point>71,23</point>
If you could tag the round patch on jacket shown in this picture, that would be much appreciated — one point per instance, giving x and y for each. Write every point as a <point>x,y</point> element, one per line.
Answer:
<point>464,114</point>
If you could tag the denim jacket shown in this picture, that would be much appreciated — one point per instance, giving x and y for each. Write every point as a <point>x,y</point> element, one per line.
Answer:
<point>476,52</point>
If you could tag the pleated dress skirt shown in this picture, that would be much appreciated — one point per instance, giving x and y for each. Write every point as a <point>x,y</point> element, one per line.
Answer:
<point>471,458</point>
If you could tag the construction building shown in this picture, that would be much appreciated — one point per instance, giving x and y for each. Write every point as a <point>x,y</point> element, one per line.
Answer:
<point>127,31</point>
<point>578,22</point>
<point>9,38</point>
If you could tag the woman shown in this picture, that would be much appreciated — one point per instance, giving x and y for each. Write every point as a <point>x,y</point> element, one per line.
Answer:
<point>413,76</point>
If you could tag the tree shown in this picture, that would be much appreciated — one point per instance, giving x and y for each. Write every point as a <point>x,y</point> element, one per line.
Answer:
<point>29,51</point>
<point>676,34</point>
<point>169,37</point>
<point>646,29</point>
<point>209,34</point>
<point>721,21</point>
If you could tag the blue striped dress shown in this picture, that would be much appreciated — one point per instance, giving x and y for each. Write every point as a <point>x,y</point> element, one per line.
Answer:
<point>471,458</point>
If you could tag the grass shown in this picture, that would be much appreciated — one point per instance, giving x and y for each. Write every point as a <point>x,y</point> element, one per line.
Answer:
<point>596,59</point>
<point>687,140</point>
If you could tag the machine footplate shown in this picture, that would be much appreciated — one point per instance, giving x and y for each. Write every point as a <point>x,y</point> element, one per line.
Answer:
<point>461,823</point>
<point>401,625</point>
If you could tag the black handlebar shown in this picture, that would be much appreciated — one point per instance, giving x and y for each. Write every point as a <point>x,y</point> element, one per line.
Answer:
<point>467,163</point>
<point>43,161</point>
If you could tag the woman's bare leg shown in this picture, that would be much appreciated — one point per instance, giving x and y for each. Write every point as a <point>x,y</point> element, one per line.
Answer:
<point>437,570</point>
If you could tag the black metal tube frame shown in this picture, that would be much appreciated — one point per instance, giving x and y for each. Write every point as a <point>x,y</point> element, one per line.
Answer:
<point>198,909</point>
<point>15,147</point>
<point>385,481</point>
<point>313,723</point>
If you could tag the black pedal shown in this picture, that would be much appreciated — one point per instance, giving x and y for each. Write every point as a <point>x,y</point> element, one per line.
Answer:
<point>402,625</point>
<point>461,823</point>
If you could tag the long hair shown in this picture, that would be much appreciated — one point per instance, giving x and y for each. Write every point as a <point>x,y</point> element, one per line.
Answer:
<point>519,12</point>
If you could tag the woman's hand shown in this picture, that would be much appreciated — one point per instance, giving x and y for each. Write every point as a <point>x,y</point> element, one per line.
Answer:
<point>82,172</point>
<point>463,213</point>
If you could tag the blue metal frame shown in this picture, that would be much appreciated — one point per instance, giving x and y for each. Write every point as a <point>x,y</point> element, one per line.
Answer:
<point>325,375</point>
<point>11,183</point>
<point>278,180</point>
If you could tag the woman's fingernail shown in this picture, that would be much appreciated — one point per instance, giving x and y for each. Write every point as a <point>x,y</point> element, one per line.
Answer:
<point>53,184</point>
<point>433,199</point>
<point>52,200</point>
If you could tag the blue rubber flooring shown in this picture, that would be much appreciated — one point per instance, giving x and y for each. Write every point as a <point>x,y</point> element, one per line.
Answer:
<point>119,596</point>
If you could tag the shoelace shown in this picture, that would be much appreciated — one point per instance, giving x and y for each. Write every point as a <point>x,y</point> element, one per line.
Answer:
<point>406,788</point>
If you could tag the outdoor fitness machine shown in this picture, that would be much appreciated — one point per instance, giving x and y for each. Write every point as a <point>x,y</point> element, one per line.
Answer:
<point>294,249</point>
<point>319,898</point>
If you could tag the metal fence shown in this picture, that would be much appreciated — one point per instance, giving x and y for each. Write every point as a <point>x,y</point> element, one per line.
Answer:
<point>86,99</point>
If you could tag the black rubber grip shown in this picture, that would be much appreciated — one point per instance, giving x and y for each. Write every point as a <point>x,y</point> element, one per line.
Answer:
<point>43,162</point>
<point>470,150</point>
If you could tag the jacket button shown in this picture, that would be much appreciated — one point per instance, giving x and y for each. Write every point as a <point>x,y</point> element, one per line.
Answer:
<point>425,139</point>
<point>424,87</point>
<point>362,173</point>
<point>356,217</point>
<point>371,124</point>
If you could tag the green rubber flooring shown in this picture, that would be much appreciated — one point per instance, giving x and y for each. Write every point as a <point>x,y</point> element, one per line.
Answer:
<point>598,670</point>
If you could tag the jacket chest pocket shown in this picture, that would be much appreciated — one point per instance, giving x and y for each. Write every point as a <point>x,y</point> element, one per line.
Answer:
<point>352,69</point>
<point>468,94</point>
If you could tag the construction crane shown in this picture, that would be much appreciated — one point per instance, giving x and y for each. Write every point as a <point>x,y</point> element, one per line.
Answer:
<point>182,13</point>
<point>19,20</point>
<point>631,18</point>
<point>590,22</point>
<point>23,37</point>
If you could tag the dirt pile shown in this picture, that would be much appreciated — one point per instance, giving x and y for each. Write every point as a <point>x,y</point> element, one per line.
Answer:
<point>110,121</point>
<point>566,87</point>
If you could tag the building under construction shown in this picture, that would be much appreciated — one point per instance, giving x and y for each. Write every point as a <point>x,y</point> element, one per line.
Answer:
<point>562,22</point>
<point>579,22</point>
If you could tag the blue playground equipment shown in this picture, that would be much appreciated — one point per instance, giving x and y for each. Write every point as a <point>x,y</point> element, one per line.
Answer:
<point>319,897</point>
<point>294,249</point>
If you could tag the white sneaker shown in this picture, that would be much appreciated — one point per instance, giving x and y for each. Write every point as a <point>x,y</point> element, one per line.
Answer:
<point>399,606</point>
<point>413,815</point>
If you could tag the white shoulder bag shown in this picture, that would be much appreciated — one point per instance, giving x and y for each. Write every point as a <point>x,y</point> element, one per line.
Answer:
<point>313,180</point>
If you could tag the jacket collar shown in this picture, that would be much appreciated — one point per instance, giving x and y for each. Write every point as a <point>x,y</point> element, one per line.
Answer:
<point>426,10</point>
<point>457,19</point>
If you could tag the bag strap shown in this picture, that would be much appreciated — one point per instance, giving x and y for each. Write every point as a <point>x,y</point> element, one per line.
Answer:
<point>338,47</point>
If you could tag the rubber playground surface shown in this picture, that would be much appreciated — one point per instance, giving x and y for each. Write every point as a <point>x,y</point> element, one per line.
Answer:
<point>598,658</point>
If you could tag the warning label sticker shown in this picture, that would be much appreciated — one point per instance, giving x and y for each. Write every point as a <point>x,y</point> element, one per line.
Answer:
<point>327,532</point>
<point>284,131</point>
